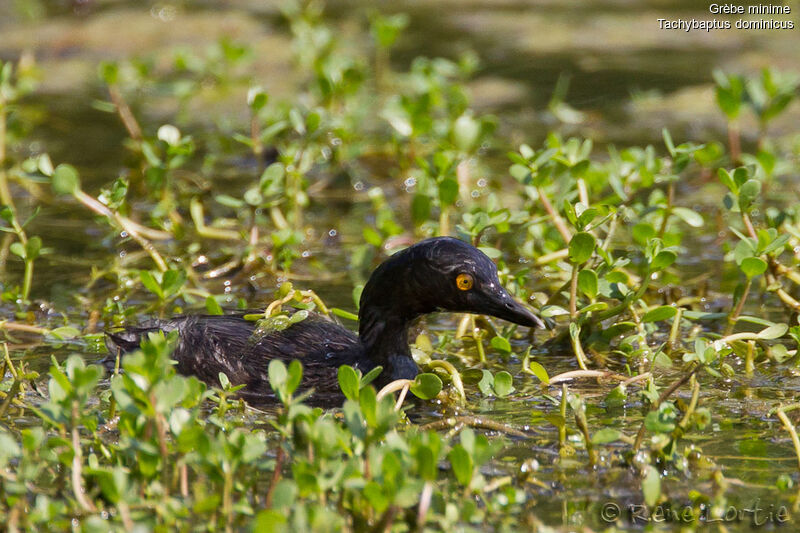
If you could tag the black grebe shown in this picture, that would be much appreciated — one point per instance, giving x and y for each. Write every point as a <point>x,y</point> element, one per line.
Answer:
<point>438,274</point>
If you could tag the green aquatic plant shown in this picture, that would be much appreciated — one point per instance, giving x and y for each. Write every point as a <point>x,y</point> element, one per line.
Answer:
<point>15,83</point>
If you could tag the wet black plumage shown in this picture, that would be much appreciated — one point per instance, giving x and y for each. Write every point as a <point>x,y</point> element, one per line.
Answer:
<point>421,279</point>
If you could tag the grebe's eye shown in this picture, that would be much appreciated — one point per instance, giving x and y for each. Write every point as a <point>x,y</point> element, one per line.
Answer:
<point>464,282</point>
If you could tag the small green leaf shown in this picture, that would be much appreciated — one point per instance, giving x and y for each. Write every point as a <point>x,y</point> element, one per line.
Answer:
<point>501,344</point>
<point>486,384</point>
<point>295,376</point>
<point>344,314</point>
<point>668,141</point>
<point>662,260</point>
<point>212,306</point>
<point>748,193</point>
<point>65,180</point>
<point>370,376</point>
<point>299,316</point>
<point>33,247</point>
<point>664,312</point>
<point>277,375</point>
<point>503,384</point>
<point>367,399</point>
<point>659,421</point>
<point>727,180</point>
<point>349,382</point>
<point>587,283</point>
<point>172,281</point>
<point>753,266</point>
<point>490,251</point>
<point>466,132</point>
<point>150,283</point>
<point>17,249</point>
<point>372,237</point>
<point>539,371</point>
<point>420,208</point>
<point>581,247</point>
<point>617,396</point>
<point>651,486</point>
<point>65,332</point>
<point>740,176</point>
<point>461,462</point>
<point>605,435</point>
<point>448,191</point>
<point>597,306</point>
<point>773,332</point>
<point>256,98</point>
<point>426,386</point>
<point>549,311</point>
<point>643,232</point>
<point>692,218</point>
<point>519,172</point>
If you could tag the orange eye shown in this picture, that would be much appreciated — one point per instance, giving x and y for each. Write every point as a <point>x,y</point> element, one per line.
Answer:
<point>464,282</point>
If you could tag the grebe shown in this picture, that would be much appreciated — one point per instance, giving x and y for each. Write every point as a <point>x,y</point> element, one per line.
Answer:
<point>437,274</point>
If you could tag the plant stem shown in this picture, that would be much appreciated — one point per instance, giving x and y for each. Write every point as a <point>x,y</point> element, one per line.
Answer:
<point>276,476</point>
<point>734,315</point>
<point>5,194</point>
<point>792,433</point>
<point>691,408</point>
<point>580,355</point>
<point>475,422</point>
<point>455,376</point>
<point>558,222</point>
<point>392,387</point>
<point>580,421</point>
<point>583,194</point>
<point>606,374</point>
<point>573,293</point>
<point>198,217</point>
<point>562,428</point>
<point>444,222</point>
<point>664,395</point>
<point>672,342</point>
<point>16,326</point>
<point>161,433</point>
<point>124,223</point>
<point>227,500</point>
<point>748,224</point>
<point>748,359</point>
<point>734,141</point>
<point>667,210</point>
<point>125,113</point>
<point>10,395</point>
<point>477,334</point>
<point>77,465</point>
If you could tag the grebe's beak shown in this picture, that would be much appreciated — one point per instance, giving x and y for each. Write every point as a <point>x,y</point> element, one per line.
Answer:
<point>497,302</point>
